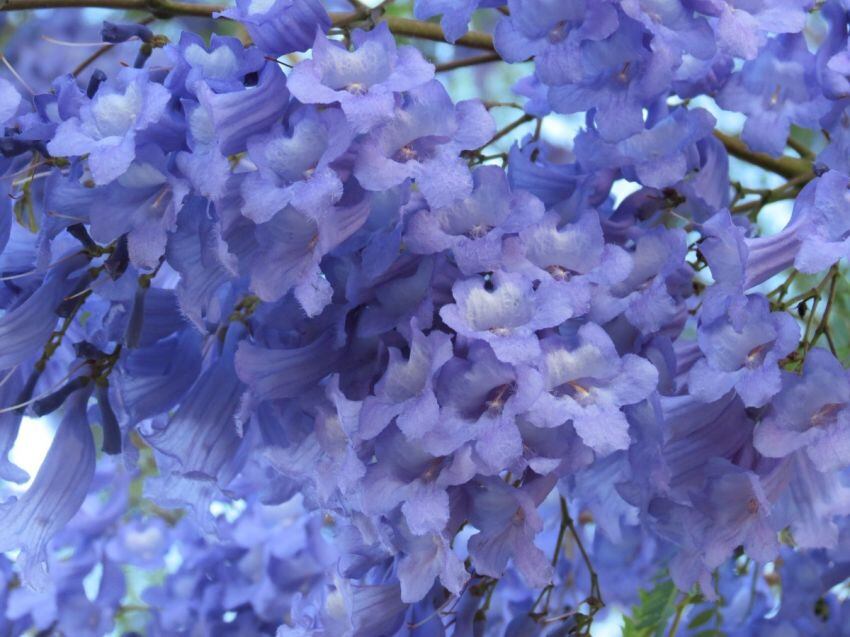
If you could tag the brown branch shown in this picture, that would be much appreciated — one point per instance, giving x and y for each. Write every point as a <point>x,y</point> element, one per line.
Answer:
<point>475,60</point>
<point>162,8</point>
<point>788,167</point>
<point>432,31</point>
<point>788,190</point>
<point>506,130</point>
<point>158,7</point>
<point>801,149</point>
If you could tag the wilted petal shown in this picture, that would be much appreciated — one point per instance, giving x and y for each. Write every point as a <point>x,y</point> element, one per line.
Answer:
<point>55,495</point>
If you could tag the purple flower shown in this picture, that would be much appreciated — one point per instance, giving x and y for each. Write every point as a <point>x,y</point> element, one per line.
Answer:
<point>107,126</point>
<point>55,495</point>
<point>481,400</point>
<point>456,14</point>
<point>291,246</point>
<point>569,260</point>
<point>775,90</point>
<point>812,412</point>
<point>473,228</point>
<point>813,504</point>
<point>148,195</point>
<point>154,378</point>
<point>647,296</point>
<point>405,476</point>
<point>294,164</point>
<point>742,26</point>
<point>657,157</point>
<point>10,101</point>
<point>553,32</point>
<point>406,392</point>
<point>507,522</point>
<point>140,542</point>
<point>506,310</point>
<point>736,512</point>
<point>24,329</point>
<point>236,116</point>
<point>279,27</point>
<point>620,76</point>
<point>744,357</point>
<point>222,65</point>
<point>587,383</point>
<point>277,373</point>
<point>821,223</point>
<point>206,168</point>
<point>365,81</point>
<point>422,142</point>
<point>424,559</point>
<point>674,26</point>
<point>202,432</point>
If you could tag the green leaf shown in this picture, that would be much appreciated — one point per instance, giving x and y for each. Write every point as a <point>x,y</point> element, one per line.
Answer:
<point>702,618</point>
<point>650,616</point>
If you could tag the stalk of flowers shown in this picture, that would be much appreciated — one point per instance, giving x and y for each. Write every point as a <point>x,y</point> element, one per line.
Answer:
<point>334,353</point>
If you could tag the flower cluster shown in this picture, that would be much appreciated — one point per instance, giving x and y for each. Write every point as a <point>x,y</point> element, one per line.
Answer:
<point>326,367</point>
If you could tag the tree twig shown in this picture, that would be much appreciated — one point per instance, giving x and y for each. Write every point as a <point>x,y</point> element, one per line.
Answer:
<point>788,167</point>
<point>475,60</point>
<point>166,8</point>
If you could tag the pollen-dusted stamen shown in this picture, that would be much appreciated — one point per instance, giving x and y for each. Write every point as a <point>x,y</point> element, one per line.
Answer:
<point>774,97</point>
<point>558,272</point>
<point>559,32</point>
<point>356,88</point>
<point>498,397</point>
<point>826,414</point>
<point>430,474</point>
<point>478,230</point>
<point>755,356</point>
<point>519,516</point>
<point>753,506</point>
<point>581,392</point>
<point>407,153</point>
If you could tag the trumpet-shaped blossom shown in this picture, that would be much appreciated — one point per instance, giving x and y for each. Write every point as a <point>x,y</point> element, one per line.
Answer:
<point>108,127</point>
<point>365,81</point>
<point>810,413</point>
<point>745,358</point>
<point>324,341</point>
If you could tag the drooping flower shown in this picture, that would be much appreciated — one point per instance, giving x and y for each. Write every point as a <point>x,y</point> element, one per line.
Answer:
<point>365,81</point>
<point>55,494</point>
<point>588,383</point>
<point>280,26</point>
<point>109,127</point>
<point>422,142</point>
<point>811,412</point>
<point>506,310</point>
<point>744,357</point>
<point>775,90</point>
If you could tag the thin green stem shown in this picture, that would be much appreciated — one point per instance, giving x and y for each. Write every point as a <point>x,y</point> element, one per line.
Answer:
<point>677,618</point>
<point>562,530</point>
<point>801,149</point>
<point>595,601</point>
